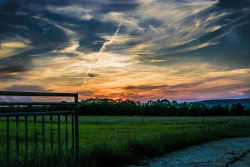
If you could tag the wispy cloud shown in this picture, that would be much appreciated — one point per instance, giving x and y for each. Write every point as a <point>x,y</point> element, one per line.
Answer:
<point>73,11</point>
<point>13,47</point>
<point>164,49</point>
<point>171,27</point>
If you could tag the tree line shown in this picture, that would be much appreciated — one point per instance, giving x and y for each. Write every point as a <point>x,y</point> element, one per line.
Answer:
<point>119,107</point>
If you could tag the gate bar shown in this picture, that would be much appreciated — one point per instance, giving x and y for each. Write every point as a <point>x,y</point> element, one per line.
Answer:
<point>36,113</point>
<point>17,141</point>
<point>44,161</point>
<point>36,146</point>
<point>26,140</point>
<point>8,141</point>
<point>51,140</point>
<point>7,93</point>
<point>66,141</point>
<point>35,103</point>
<point>59,143</point>
<point>73,142</point>
<point>77,131</point>
<point>75,128</point>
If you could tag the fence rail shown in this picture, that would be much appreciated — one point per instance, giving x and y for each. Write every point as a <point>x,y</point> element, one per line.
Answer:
<point>74,123</point>
<point>35,103</point>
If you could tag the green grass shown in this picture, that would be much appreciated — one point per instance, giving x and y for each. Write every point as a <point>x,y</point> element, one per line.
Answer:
<point>112,141</point>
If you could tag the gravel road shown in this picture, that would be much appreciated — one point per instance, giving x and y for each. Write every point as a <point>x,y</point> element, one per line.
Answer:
<point>229,152</point>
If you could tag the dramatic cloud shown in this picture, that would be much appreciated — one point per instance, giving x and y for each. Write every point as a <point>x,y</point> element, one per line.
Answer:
<point>138,49</point>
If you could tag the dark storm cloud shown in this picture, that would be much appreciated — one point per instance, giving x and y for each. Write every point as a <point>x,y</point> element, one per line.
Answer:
<point>28,88</point>
<point>170,92</point>
<point>21,88</point>
<point>246,93</point>
<point>126,95</point>
<point>163,87</point>
<point>120,6</point>
<point>92,75</point>
<point>18,20</point>
<point>160,29</point>
<point>13,68</point>
<point>7,77</point>
<point>145,87</point>
<point>6,71</point>
<point>229,22</point>
<point>90,29</point>
<point>86,93</point>
<point>230,43</point>
<point>233,4</point>
<point>34,21</point>
<point>93,41</point>
<point>223,88</point>
<point>14,99</point>
<point>11,6</point>
<point>196,83</point>
<point>232,51</point>
<point>239,17</point>
<point>121,95</point>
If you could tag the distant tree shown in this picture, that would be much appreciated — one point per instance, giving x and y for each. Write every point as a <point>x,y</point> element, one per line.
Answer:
<point>237,109</point>
<point>219,110</point>
<point>95,106</point>
<point>183,109</point>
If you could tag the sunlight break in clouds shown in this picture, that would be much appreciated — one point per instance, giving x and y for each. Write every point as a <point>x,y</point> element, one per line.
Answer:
<point>118,78</point>
<point>103,48</point>
<point>174,49</point>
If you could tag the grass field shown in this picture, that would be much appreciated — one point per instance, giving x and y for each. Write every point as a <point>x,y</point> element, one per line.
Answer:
<point>112,141</point>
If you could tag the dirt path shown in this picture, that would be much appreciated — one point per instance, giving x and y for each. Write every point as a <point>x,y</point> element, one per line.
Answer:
<point>230,152</point>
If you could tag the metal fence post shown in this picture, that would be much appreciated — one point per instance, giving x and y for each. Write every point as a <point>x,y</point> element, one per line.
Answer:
<point>17,140</point>
<point>75,129</point>
<point>66,142</point>
<point>51,140</point>
<point>59,142</point>
<point>44,159</point>
<point>8,141</point>
<point>73,141</point>
<point>36,145</point>
<point>26,141</point>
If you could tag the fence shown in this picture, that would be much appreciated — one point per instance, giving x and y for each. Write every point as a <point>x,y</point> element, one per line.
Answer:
<point>74,122</point>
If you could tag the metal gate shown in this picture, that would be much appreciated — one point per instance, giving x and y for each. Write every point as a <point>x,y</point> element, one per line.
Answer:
<point>74,148</point>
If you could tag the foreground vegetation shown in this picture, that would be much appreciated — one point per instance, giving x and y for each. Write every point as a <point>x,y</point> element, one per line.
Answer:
<point>112,141</point>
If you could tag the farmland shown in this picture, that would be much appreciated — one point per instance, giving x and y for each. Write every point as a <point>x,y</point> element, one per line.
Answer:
<point>114,140</point>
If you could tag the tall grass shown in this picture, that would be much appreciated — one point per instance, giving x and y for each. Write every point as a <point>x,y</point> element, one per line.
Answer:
<point>113,141</point>
<point>132,150</point>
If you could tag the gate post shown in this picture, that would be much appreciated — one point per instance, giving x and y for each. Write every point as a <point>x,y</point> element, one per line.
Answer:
<point>77,130</point>
<point>75,126</point>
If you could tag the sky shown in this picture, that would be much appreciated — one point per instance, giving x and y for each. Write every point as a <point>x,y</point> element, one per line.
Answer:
<point>184,50</point>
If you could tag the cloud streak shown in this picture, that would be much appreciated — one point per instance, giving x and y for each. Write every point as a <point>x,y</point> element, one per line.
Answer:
<point>103,48</point>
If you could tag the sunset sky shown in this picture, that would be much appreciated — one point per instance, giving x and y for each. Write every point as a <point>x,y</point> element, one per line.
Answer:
<point>184,50</point>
